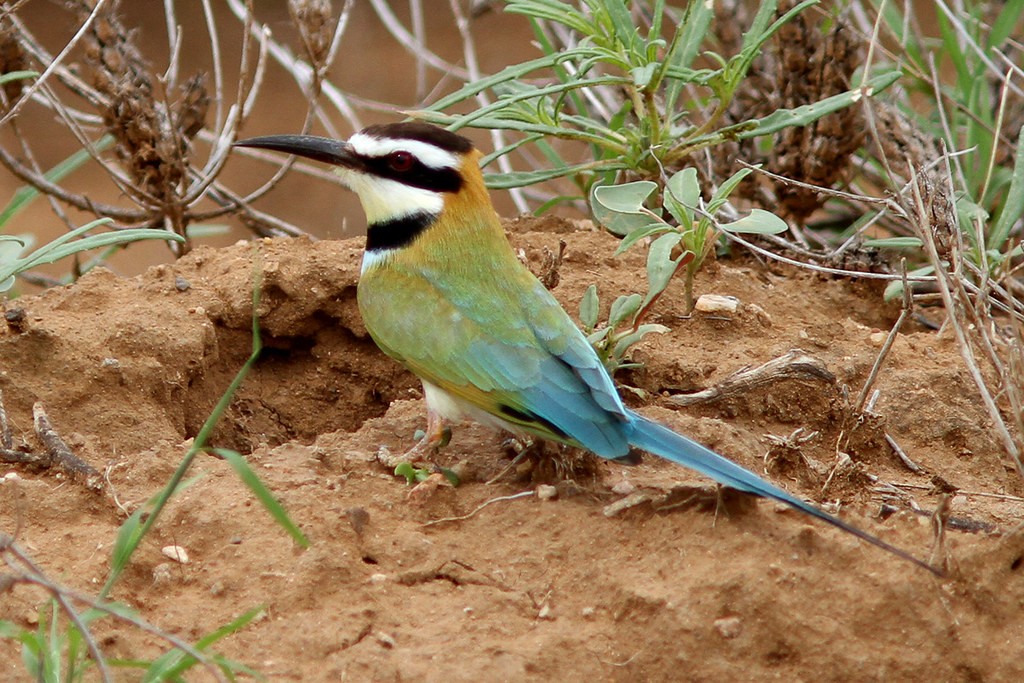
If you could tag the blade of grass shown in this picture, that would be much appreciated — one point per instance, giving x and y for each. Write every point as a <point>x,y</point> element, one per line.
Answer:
<point>260,490</point>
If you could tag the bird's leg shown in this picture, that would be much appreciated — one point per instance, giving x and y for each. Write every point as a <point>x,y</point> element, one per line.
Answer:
<point>436,437</point>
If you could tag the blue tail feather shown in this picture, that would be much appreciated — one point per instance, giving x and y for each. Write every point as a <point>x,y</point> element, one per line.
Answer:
<point>665,443</point>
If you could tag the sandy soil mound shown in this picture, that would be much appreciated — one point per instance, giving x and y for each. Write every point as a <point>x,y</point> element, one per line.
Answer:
<point>673,587</point>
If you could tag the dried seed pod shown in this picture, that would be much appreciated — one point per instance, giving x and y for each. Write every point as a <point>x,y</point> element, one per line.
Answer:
<point>152,137</point>
<point>316,26</point>
<point>12,58</point>
<point>801,65</point>
<point>193,107</point>
<point>811,66</point>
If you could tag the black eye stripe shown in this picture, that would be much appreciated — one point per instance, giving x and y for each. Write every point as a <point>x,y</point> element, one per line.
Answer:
<point>418,174</point>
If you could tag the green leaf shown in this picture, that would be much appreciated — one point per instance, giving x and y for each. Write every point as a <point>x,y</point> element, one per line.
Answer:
<point>17,76</point>
<point>1013,206</point>
<point>758,222</point>
<point>241,467</point>
<point>589,308</point>
<point>623,308</point>
<point>412,474</point>
<point>506,181</point>
<point>623,343</point>
<point>894,290</point>
<point>808,113</point>
<point>683,193</point>
<point>660,265</point>
<point>894,243</point>
<point>641,75</point>
<point>615,220</point>
<point>625,198</point>
<point>721,195</point>
<point>170,665</point>
<point>640,233</point>
<point>25,194</point>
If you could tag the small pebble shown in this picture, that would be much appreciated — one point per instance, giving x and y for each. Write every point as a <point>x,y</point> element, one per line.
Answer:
<point>545,611</point>
<point>728,627</point>
<point>162,573</point>
<point>176,553</point>
<point>378,578</point>
<point>716,303</point>
<point>358,518</point>
<point>546,492</point>
<point>878,337</point>
<point>587,612</point>
<point>181,284</point>
<point>384,639</point>
<point>623,487</point>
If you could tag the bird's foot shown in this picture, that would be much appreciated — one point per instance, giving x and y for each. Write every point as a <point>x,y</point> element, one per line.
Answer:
<point>436,437</point>
<point>422,453</point>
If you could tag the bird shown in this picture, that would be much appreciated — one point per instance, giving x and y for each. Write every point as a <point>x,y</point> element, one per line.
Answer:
<point>442,292</point>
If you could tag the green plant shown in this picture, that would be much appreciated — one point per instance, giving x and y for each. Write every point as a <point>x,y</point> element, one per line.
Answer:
<point>13,263</point>
<point>623,329</point>
<point>58,651</point>
<point>667,77</point>
<point>692,231</point>
<point>142,520</point>
<point>642,100</point>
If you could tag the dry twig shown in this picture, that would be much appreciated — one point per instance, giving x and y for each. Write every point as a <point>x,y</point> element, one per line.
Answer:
<point>795,365</point>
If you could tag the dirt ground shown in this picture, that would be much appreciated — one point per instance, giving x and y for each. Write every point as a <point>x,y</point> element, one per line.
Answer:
<point>672,588</point>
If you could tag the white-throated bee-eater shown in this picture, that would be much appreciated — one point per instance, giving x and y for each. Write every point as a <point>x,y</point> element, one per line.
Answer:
<point>442,292</point>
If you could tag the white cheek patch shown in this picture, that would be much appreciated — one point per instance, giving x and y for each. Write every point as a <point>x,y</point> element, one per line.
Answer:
<point>429,155</point>
<point>385,200</point>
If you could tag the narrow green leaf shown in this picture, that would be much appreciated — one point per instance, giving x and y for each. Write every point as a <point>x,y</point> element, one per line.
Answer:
<point>894,243</point>
<point>259,489</point>
<point>894,290</point>
<point>17,76</point>
<point>1013,206</point>
<point>97,242</point>
<point>724,190</point>
<point>172,664</point>
<point>1006,22</point>
<point>507,74</point>
<point>589,308</point>
<point>634,236</point>
<point>25,194</point>
<point>504,181</point>
<point>808,113</point>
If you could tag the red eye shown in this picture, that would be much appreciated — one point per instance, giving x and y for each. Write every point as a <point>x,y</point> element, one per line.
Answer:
<point>401,161</point>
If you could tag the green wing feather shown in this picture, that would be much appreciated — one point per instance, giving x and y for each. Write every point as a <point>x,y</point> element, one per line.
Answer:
<point>504,346</point>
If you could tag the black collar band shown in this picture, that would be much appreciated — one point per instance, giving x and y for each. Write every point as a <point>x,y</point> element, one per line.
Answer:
<point>398,232</point>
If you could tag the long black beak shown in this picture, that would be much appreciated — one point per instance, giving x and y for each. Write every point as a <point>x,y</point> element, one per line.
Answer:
<point>327,150</point>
